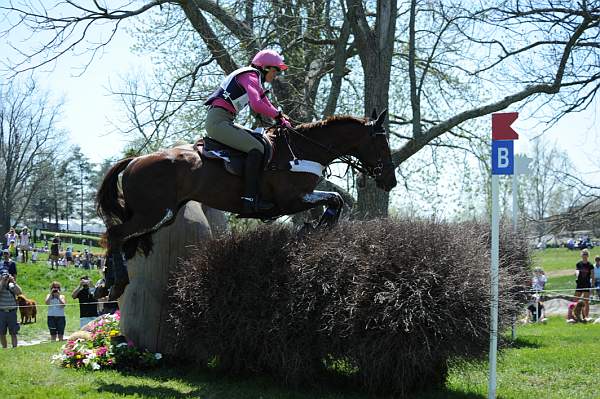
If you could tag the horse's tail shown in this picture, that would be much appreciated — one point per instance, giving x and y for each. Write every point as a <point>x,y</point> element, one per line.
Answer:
<point>109,206</point>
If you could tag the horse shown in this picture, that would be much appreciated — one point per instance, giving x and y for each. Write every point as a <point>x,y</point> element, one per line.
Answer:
<point>153,187</point>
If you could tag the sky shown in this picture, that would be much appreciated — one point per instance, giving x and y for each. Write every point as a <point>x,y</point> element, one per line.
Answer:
<point>89,112</point>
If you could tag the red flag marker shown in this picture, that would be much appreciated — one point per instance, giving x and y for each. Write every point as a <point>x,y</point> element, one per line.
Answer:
<point>501,129</point>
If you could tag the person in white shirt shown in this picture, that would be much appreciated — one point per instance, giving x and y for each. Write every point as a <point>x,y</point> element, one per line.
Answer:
<point>539,279</point>
<point>56,312</point>
<point>24,244</point>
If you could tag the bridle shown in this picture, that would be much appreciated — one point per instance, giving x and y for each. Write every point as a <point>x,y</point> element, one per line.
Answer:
<point>374,171</point>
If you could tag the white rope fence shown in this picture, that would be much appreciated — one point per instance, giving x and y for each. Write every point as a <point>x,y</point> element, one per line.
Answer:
<point>38,305</point>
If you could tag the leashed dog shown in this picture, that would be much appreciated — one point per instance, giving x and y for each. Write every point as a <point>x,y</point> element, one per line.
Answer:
<point>28,309</point>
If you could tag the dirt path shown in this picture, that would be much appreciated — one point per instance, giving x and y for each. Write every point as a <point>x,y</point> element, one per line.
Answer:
<point>561,273</point>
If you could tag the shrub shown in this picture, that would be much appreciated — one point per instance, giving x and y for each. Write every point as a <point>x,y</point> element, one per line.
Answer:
<point>381,304</point>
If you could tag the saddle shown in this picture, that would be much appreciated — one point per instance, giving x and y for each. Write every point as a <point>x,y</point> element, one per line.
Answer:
<point>233,160</point>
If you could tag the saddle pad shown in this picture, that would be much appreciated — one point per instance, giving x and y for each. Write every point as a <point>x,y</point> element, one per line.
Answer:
<point>233,160</point>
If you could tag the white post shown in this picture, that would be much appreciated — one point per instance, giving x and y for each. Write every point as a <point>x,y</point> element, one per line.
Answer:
<point>494,288</point>
<point>515,204</point>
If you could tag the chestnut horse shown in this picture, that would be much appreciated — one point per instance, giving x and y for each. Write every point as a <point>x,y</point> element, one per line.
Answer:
<point>153,187</point>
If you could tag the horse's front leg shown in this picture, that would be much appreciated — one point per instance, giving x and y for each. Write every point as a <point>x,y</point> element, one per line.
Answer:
<point>332,200</point>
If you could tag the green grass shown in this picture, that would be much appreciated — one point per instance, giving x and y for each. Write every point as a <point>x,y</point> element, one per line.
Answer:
<point>552,259</point>
<point>561,283</point>
<point>35,279</point>
<point>547,361</point>
<point>551,361</point>
<point>28,374</point>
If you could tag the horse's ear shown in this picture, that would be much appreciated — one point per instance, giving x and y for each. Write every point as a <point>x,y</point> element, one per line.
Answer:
<point>381,118</point>
<point>374,114</point>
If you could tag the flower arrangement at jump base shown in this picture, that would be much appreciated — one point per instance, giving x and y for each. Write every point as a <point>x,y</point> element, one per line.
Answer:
<point>102,347</point>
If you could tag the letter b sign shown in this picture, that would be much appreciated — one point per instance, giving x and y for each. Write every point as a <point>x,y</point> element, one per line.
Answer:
<point>503,159</point>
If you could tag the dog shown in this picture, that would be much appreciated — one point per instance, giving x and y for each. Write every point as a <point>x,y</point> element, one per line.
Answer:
<point>28,309</point>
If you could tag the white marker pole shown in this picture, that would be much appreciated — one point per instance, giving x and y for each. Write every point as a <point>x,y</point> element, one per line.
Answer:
<point>494,287</point>
<point>515,204</point>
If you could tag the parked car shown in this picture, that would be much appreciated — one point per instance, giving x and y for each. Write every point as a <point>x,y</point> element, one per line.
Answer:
<point>582,243</point>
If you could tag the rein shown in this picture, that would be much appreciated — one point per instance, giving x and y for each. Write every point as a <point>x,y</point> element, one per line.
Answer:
<point>372,171</point>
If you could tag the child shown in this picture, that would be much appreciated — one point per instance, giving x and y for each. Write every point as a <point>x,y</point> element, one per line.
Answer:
<point>540,312</point>
<point>34,255</point>
<point>574,311</point>
<point>536,310</point>
<point>12,249</point>
<point>539,280</point>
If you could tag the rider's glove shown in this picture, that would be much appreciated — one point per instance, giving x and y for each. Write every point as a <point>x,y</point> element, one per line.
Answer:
<point>282,120</point>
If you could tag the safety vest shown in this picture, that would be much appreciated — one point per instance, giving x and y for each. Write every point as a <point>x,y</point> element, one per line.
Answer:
<point>232,92</point>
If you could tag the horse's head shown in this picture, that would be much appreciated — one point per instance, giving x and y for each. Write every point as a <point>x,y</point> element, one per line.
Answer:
<point>375,155</point>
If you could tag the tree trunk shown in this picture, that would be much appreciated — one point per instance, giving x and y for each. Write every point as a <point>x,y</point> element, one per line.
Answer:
<point>375,49</point>
<point>373,202</point>
<point>144,305</point>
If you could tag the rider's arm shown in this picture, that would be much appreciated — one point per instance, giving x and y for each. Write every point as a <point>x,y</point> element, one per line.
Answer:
<point>257,101</point>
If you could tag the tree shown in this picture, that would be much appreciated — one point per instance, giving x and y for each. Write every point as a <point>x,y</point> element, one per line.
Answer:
<point>461,62</point>
<point>80,172</point>
<point>375,49</point>
<point>66,191</point>
<point>546,195</point>
<point>41,208</point>
<point>27,142</point>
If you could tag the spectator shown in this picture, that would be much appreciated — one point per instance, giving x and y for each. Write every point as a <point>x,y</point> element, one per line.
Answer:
<point>8,264</point>
<point>86,261</point>
<point>536,310</point>
<point>24,244</point>
<point>54,251</point>
<point>574,311</point>
<point>88,310</point>
<point>539,279</point>
<point>585,274</point>
<point>9,289</point>
<point>597,276</point>
<point>69,255</point>
<point>10,236</point>
<point>12,249</point>
<point>56,311</point>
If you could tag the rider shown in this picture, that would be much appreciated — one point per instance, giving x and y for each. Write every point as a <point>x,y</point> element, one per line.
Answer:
<point>242,87</point>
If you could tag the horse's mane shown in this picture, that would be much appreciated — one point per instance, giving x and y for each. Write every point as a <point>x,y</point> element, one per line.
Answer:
<point>331,120</point>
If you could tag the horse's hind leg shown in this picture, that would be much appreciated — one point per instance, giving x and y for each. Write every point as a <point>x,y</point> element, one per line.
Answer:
<point>119,236</point>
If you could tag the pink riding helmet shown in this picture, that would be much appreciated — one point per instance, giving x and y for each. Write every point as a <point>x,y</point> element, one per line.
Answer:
<point>267,58</point>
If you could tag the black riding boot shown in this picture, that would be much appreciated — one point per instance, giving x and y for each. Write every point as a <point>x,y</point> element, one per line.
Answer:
<point>251,202</point>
